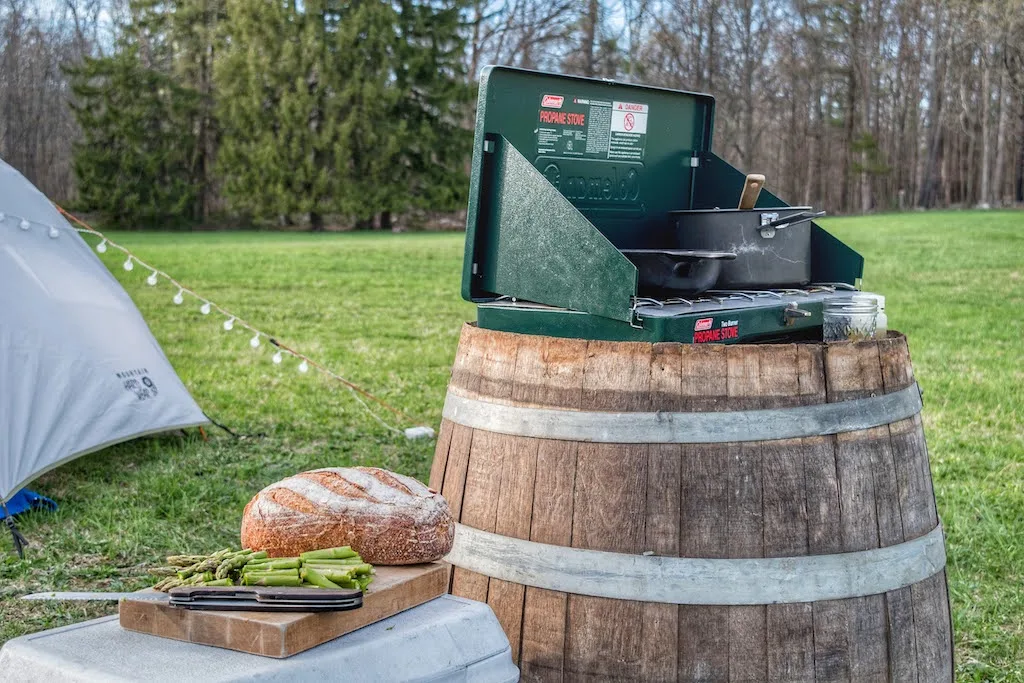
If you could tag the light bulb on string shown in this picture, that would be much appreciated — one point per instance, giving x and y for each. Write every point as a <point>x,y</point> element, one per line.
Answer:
<point>303,367</point>
<point>179,298</point>
<point>205,308</point>
<point>24,224</point>
<point>229,324</point>
<point>277,358</point>
<point>102,247</point>
<point>54,232</point>
<point>255,341</point>
<point>151,280</point>
<point>128,264</point>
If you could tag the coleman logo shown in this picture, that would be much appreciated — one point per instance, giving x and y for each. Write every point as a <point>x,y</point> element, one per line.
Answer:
<point>552,101</point>
<point>703,324</point>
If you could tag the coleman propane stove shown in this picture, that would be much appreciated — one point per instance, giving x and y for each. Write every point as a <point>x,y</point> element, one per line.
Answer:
<point>596,212</point>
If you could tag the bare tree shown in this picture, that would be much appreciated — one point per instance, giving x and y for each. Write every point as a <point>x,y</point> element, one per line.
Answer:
<point>37,130</point>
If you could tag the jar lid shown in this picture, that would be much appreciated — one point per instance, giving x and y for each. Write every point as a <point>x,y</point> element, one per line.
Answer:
<point>851,305</point>
<point>866,296</point>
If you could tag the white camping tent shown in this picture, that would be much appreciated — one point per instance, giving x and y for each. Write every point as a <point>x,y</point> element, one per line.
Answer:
<point>79,368</point>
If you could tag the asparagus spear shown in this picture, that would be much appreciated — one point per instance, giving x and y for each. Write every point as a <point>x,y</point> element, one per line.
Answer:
<point>329,554</point>
<point>274,572</point>
<point>188,572</point>
<point>360,569</point>
<point>272,581</point>
<point>189,560</point>
<point>235,562</point>
<point>164,571</point>
<point>217,582</point>
<point>332,574</point>
<point>315,577</point>
<point>193,580</point>
<point>279,563</point>
<point>168,583</point>
<point>335,563</point>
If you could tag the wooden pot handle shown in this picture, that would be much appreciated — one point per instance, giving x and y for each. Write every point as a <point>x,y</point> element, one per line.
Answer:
<point>751,190</point>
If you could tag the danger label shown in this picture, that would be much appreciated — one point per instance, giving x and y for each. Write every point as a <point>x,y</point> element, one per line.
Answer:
<point>579,127</point>
<point>629,117</point>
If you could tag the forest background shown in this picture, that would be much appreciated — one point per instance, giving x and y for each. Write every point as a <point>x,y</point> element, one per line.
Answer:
<point>321,113</point>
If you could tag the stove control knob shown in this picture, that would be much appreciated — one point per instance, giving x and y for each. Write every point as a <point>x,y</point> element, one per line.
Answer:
<point>793,313</point>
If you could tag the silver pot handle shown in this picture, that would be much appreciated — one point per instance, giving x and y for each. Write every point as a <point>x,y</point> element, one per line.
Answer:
<point>767,230</point>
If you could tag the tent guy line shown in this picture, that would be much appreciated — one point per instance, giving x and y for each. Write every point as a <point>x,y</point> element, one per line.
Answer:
<point>358,393</point>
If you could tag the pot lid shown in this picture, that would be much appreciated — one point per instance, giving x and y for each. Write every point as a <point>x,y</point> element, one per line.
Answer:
<point>759,209</point>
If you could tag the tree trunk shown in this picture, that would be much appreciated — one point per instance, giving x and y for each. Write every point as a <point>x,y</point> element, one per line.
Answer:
<point>848,127</point>
<point>749,64</point>
<point>863,48</point>
<point>712,21</point>
<point>930,176</point>
<point>1019,194</point>
<point>1004,115</point>
<point>590,21</point>
<point>474,43</point>
<point>385,220</point>
<point>984,194</point>
<point>316,221</point>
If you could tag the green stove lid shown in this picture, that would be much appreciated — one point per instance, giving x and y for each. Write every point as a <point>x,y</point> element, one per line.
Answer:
<point>618,156</point>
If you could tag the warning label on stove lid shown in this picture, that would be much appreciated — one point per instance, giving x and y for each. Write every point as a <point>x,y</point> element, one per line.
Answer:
<point>591,129</point>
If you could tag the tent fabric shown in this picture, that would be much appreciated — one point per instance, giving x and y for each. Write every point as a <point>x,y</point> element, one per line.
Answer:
<point>79,368</point>
<point>25,500</point>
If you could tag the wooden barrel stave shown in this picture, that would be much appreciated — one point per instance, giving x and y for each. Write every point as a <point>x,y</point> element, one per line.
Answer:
<point>609,512</point>
<point>853,371</point>
<point>660,623</point>
<point>554,375</point>
<point>783,498</point>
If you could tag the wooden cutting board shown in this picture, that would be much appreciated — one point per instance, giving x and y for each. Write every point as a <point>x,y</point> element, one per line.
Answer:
<point>394,590</point>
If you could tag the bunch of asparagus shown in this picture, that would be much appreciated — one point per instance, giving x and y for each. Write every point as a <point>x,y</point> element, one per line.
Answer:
<point>328,568</point>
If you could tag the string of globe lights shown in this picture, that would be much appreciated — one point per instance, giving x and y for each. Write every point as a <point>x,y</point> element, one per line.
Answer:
<point>231,319</point>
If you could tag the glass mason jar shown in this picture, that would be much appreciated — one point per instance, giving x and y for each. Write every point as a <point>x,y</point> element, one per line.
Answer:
<point>881,320</point>
<point>849,318</point>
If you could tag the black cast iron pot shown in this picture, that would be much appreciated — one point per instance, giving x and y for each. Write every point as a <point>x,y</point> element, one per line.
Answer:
<point>772,246</point>
<point>668,272</point>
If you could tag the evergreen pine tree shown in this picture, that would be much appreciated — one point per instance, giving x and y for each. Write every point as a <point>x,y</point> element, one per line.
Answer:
<point>363,47</point>
<point>436,92</point>
<point>145,112</point>
<point>342,107</point>
<point>134,163</point>
<point>279,149</point>
<point>197,30</point>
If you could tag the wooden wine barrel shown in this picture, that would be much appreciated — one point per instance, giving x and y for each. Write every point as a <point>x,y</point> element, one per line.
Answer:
<point>676,512</point>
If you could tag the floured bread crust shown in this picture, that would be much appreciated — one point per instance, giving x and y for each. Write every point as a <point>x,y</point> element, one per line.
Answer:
<point>387,518</point>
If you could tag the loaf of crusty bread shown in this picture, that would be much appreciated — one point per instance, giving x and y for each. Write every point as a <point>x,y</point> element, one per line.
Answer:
<point>386,517</point>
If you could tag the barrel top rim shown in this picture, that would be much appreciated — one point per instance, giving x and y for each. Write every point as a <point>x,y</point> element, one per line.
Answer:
<point>891,336</point>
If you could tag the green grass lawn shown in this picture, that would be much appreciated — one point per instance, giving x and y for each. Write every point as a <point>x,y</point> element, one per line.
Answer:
<point>384,311</point>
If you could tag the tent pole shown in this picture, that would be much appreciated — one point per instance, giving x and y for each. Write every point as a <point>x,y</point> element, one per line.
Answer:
<point>20,542</point>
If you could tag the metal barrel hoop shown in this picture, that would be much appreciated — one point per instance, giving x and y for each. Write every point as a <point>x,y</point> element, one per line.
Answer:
<point>668,427</point>
<point>699,581</point>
